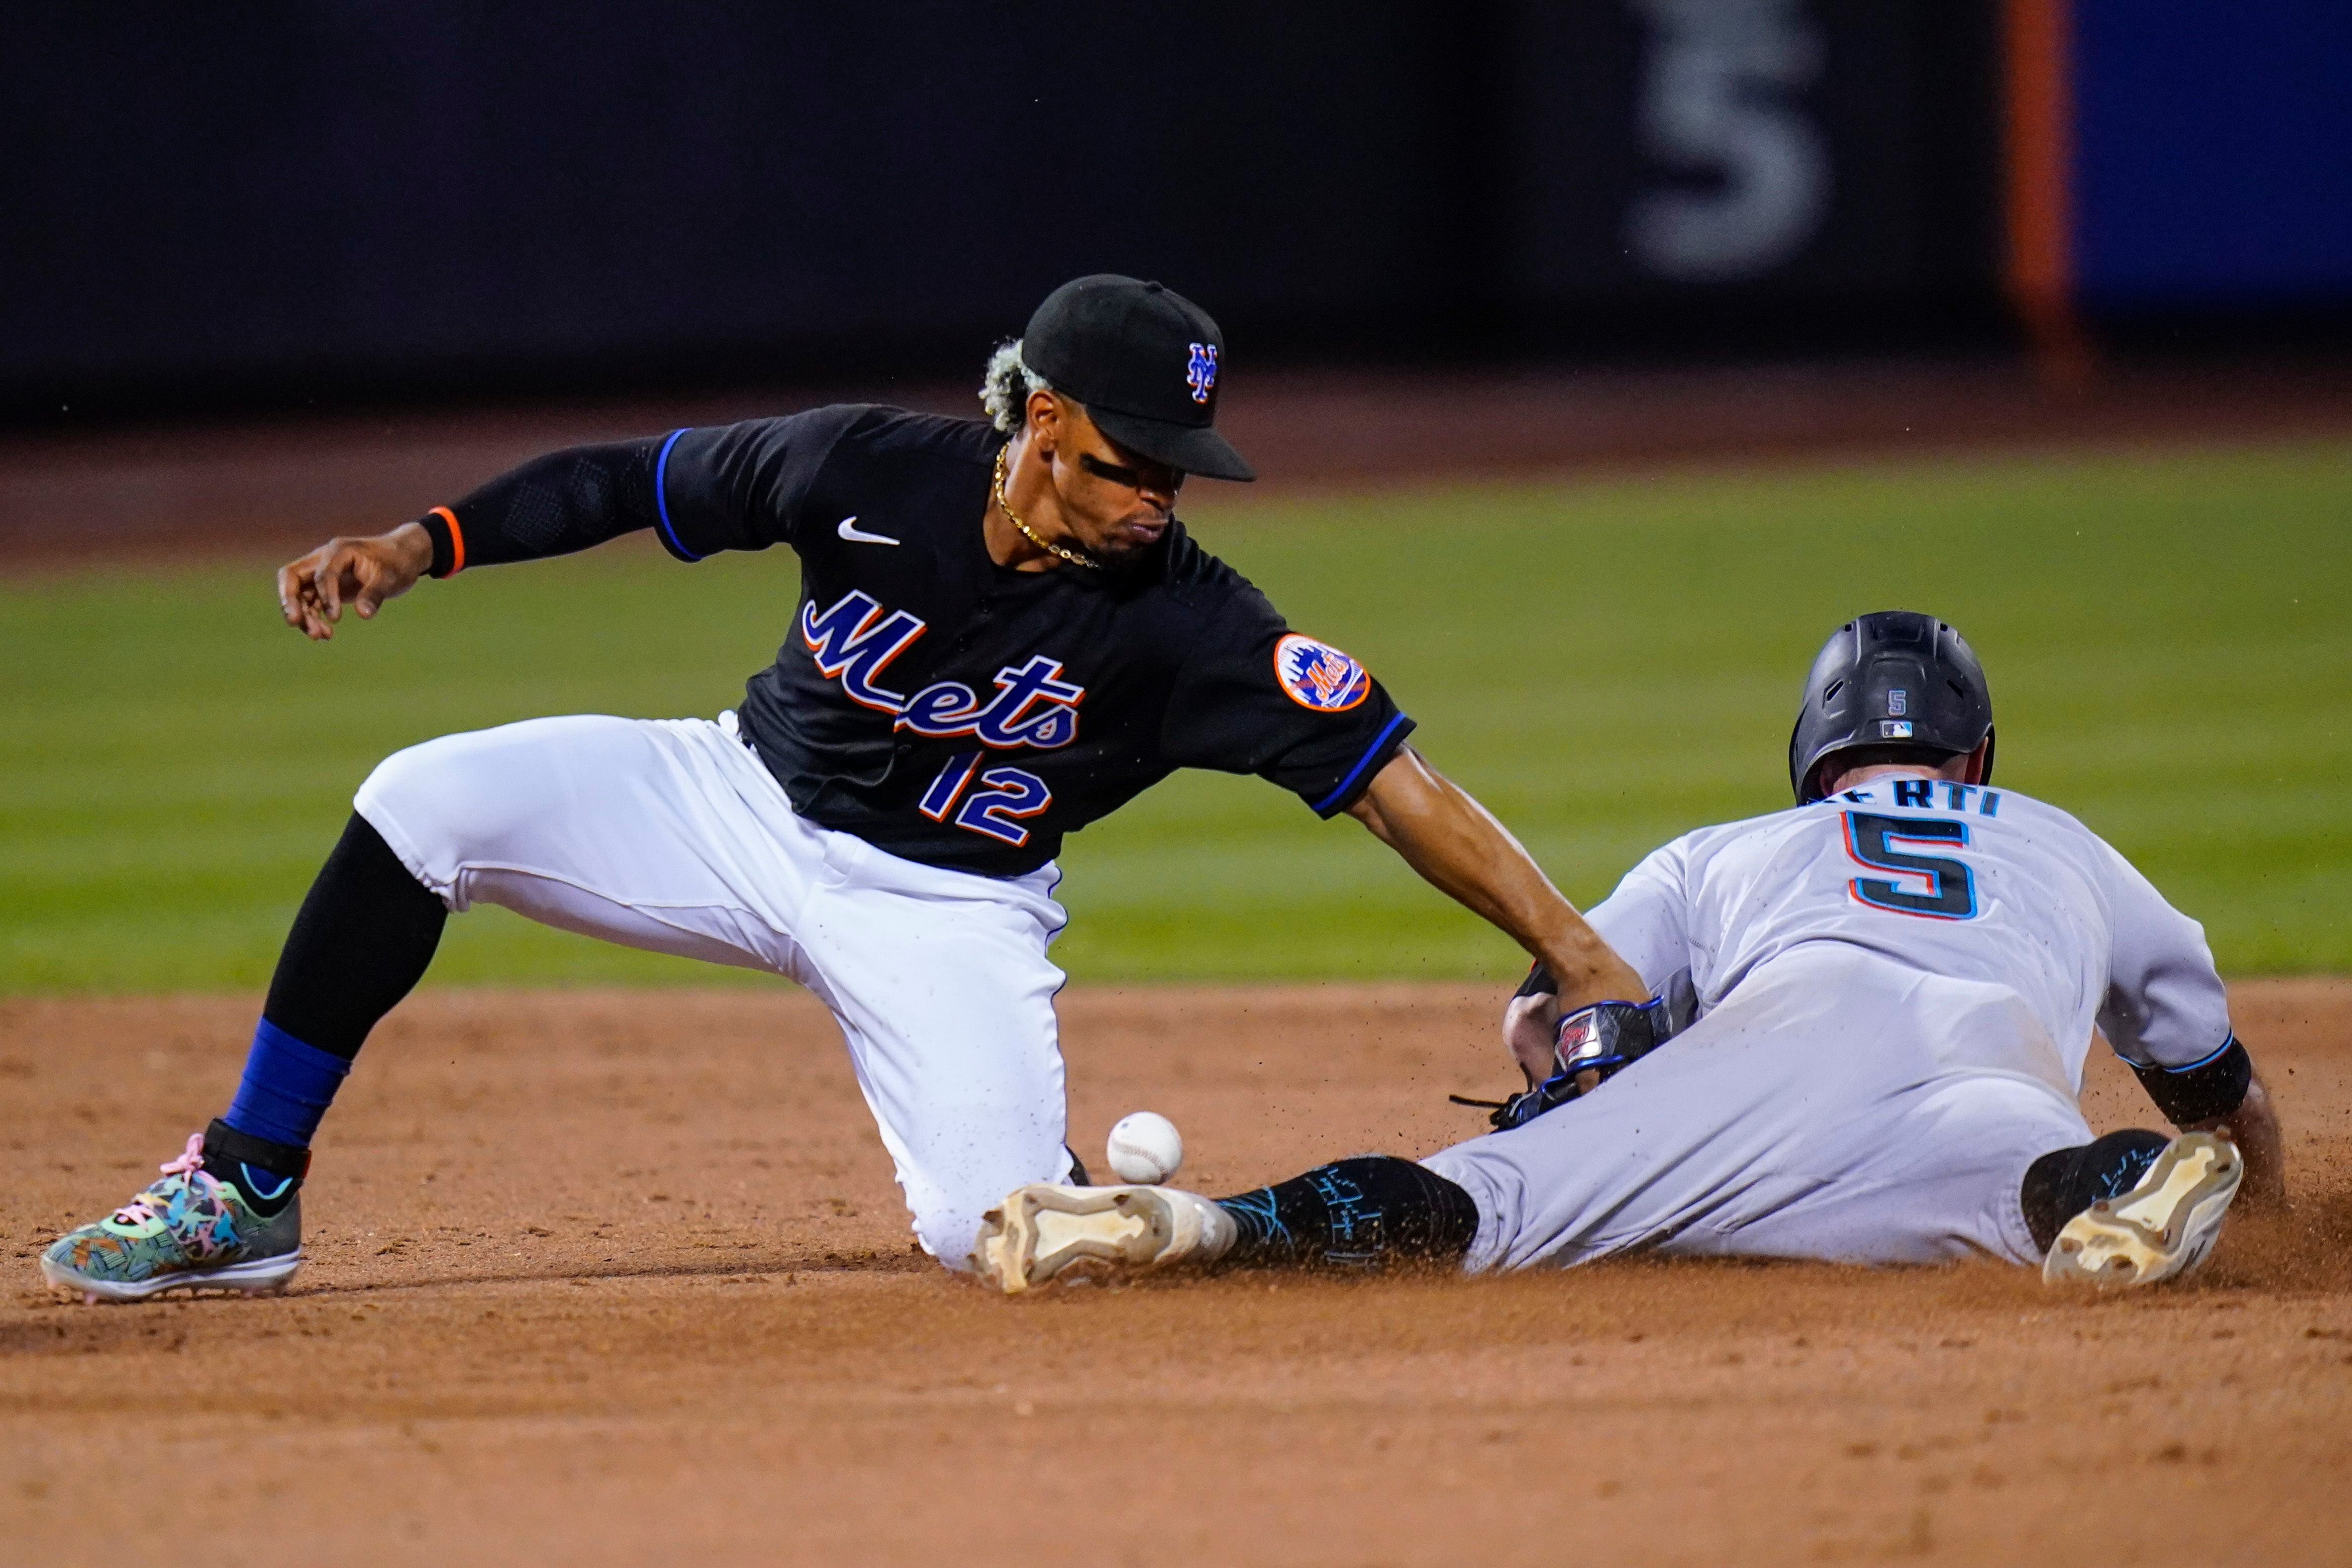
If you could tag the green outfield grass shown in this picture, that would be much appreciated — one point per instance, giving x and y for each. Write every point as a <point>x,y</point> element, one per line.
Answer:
<point>1606,665</point>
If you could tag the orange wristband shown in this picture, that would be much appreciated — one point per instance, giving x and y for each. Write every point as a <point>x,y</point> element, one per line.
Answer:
<point>456,540</point>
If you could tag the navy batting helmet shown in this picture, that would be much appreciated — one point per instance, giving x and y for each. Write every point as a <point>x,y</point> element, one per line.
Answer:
<point>1894,680</point>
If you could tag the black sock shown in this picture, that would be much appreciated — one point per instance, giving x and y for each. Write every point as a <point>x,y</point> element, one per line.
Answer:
<point>1360,1213</point>
<point>2062,1183</point>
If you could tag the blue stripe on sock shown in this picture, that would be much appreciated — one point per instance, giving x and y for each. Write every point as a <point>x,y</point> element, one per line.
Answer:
<point>287,1088</point>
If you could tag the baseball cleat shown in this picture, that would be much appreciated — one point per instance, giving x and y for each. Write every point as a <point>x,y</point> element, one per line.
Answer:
<point>190,1232</point>
<point>1043,1231</point>
<point>2161,1228</point>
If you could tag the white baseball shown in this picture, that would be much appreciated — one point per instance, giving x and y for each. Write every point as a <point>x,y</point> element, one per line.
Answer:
<point>1145,1147</point>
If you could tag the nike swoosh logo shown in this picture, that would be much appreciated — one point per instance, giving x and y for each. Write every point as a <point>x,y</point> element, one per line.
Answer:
<point>857,535</point>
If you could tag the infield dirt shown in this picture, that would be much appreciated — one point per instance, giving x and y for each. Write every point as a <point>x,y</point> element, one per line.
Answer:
<point>623,1278</point>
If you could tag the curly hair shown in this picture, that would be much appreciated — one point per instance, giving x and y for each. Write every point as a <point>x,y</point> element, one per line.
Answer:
<point>1005,386</point>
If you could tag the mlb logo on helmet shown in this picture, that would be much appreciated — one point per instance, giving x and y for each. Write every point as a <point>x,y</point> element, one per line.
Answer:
<point>1315,675</point>
<point>1200,373</point>
<point>1895,729</point>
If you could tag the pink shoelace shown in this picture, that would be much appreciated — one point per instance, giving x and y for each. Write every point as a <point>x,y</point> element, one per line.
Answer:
<point>190,1164</point>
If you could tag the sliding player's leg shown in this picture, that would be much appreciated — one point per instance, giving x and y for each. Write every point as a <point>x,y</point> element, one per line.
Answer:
<point>1369,1212</point>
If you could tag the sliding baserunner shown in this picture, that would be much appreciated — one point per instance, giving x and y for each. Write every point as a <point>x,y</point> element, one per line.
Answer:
<point>1002,634</point>
<point>1895,985</point>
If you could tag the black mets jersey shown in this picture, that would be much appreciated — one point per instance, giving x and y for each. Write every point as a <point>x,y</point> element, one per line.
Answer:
<point>935,704</point>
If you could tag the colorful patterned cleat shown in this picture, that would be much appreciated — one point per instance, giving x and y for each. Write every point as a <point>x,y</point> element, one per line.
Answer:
<point>1052,1230</point>
<point>189,1231</point>
<point>2162,1228</point>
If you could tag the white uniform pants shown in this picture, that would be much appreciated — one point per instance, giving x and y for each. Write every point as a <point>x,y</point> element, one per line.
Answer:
<point>1838,1106</point>
<point>670,835</point>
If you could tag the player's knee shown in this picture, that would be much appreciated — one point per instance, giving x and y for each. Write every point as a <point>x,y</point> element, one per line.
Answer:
<point>948,1229</point>
<point>440,800</point>
<point>948,1213</point>
<point>1495,1191</point>
<point>403,799</point>
<point>408,780</point>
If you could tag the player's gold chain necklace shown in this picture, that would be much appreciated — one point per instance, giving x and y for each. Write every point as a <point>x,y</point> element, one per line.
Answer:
<point>1048,546</point>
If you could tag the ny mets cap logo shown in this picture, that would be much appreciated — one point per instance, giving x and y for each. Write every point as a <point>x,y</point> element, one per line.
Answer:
<point>1201,374</point>
<point>1318,676</point>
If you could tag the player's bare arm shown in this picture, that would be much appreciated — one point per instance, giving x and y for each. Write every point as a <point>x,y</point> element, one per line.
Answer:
<point>1459,846</point>
<point>363,574</point>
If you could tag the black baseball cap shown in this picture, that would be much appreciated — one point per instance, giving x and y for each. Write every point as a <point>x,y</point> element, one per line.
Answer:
<point>1145,361</point>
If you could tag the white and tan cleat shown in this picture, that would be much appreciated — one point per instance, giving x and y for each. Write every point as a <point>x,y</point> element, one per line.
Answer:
<point>1040,1232</point>
<point>2161,1228</point>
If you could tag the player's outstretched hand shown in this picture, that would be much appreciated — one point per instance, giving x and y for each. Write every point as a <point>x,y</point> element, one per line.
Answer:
<point>361,573</point>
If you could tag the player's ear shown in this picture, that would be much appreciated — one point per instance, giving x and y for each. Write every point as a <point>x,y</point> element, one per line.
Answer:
<point>1044,416</point>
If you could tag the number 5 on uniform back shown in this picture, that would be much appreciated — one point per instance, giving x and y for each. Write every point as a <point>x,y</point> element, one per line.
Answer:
<point>1925,885</point>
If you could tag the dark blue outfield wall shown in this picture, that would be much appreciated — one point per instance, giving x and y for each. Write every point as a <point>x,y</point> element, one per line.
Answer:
<point>271,204</point>
<point>2213,163</point>
<point>341,201</point>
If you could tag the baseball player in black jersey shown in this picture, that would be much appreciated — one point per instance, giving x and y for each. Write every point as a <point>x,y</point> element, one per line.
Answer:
<point>1003,633</point>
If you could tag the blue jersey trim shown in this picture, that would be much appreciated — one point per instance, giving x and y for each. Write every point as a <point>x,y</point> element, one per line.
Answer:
<point>661,501</point>
<point>2208,1061</point>
<point>1336,796</point>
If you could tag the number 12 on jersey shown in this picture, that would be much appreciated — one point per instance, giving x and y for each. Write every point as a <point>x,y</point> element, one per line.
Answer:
<point>1931,886</point>
<point>1006,794</point>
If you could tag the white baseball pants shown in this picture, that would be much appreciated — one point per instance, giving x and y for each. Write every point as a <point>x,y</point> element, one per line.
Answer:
<point>1837,1105</point>
<point>670,835</point>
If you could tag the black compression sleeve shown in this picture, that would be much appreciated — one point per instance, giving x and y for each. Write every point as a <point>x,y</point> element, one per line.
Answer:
<point>2213,1087</point>
<point>365,934</point>
<point>554,505</point>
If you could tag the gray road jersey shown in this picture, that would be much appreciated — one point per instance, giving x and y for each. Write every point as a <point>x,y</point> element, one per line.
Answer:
<point>1954,880</point>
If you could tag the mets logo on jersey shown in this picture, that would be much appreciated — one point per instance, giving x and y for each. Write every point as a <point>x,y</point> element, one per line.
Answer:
<point>1318,676</point>
<point>1200,373</point>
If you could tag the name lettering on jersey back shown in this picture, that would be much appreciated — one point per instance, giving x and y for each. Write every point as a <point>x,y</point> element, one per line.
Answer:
<point>1957,797</point>
<point>856,639</point>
